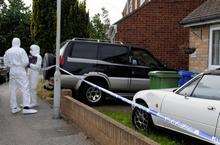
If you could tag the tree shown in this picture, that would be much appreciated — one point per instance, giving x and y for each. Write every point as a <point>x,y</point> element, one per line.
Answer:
<point>97,28</point>
<point>99,25</point>
<point>74,22</point>
<point>15,22</point>
<point>43,24</point>
<point>105,17</point>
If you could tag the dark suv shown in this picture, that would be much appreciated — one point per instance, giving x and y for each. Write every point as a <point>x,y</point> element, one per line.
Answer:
<point>116,67</point>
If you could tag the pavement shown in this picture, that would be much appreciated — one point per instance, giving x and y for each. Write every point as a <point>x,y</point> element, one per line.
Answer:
<point>37,129</point>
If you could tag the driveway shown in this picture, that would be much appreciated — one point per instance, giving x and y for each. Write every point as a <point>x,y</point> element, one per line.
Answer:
<point>38,129</point>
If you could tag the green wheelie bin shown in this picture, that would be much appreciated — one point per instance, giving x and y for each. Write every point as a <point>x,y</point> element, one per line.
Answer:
<point>163,79</point>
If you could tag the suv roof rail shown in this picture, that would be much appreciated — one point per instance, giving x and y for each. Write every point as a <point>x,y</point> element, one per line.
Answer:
<point>97,40</point>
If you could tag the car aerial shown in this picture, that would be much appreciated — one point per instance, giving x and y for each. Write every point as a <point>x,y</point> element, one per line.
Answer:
<point>114,66</point>
<point>197,103</point>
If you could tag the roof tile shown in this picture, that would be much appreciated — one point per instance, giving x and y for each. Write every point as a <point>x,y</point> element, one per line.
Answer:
<point>209,10</point>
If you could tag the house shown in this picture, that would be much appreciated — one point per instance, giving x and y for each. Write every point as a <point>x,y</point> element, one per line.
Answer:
<point>155,26</point>
<point>132,5</point>
<point>204,24</point>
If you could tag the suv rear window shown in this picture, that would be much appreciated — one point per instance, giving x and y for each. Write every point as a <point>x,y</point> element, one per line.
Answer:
<point>114,53</point>
<point>84,50</point>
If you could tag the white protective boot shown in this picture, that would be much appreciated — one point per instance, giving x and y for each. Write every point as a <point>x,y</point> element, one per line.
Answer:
<point>27,110</point>
<point>15,110</point>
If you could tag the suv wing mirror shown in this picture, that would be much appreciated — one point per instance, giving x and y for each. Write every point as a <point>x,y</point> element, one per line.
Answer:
<point>134,62</point>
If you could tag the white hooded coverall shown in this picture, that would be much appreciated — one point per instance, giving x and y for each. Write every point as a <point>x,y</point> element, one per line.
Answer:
<point>17,60</point>
<point>34,73</point>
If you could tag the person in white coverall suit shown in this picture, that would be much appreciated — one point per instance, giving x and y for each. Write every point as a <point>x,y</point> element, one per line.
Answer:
<point>16,60</point>
<point>35,65</point>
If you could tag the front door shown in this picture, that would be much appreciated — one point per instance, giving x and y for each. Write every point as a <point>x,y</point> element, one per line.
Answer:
<point>197,104</point>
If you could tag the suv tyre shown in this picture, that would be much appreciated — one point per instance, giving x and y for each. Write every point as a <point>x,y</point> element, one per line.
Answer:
<point>91,95</point>
<point>142,120</point>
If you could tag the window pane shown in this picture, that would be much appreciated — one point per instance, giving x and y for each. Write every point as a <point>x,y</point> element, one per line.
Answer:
<point>216,47</point>
<point>130,6</point>
<point>141,2</point>
<point>144,58</point>
<point>187,91</point>
<point>85,50</point>
<point>208,88</point>
<point>114,54</point>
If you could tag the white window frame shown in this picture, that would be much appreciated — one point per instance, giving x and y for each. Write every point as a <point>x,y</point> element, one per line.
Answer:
<point>141,2</point>
<point>212,28</point>
<point>135,4</point>
<point>130,6</point>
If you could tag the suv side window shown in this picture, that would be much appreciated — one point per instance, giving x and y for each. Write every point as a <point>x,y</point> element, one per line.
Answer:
<point>114,53</point>
<point>208,88</point>
<point>84,50</point>
<point>144,58</point>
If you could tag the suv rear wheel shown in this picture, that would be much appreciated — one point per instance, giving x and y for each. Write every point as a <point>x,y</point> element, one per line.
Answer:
<point>91,95</point>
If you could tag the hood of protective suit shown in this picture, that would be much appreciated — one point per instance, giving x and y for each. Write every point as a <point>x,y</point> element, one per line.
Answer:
<point>35,50</point>
<point>16,42</point>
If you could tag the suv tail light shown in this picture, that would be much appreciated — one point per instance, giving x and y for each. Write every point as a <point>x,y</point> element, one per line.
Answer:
<point>61,60</point>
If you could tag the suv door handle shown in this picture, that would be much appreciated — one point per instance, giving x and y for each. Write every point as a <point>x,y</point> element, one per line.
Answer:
<point>211,108</point>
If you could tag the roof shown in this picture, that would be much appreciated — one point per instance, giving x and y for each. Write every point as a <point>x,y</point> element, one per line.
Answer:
<point>132,13</point>
<point>209,12</point>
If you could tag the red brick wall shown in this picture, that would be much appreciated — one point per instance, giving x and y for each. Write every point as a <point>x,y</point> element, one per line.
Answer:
<point>156,27</point>
<point>199,39</point>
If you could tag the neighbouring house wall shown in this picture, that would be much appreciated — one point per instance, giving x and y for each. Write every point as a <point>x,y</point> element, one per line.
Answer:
<point>135,5</point>
<point>156,27</point>
<point>199,39</point>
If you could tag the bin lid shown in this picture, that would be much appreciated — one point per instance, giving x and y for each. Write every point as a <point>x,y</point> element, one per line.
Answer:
<point>164,74</point>
<point>185,73</point>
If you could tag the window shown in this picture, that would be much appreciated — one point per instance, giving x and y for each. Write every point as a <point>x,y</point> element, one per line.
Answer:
<point>130,6</point>
<point>143,58</point>
<point>114,54</point>
<point>84,50</point>
<point>187,91</point>
<point>208,88</point>
<point>141,2</point>
<point>214,48</point>
<point>135,4</point>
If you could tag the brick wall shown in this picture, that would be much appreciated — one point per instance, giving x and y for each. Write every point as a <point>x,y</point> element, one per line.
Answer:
<point>199,39</point>
<point>156,27</point>
<point>100,127</point>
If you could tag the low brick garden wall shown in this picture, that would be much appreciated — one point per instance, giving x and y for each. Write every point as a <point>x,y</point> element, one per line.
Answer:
<point>103,129</point>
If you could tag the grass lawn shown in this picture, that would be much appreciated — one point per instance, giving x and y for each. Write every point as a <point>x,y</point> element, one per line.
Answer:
<point>162,136</point>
